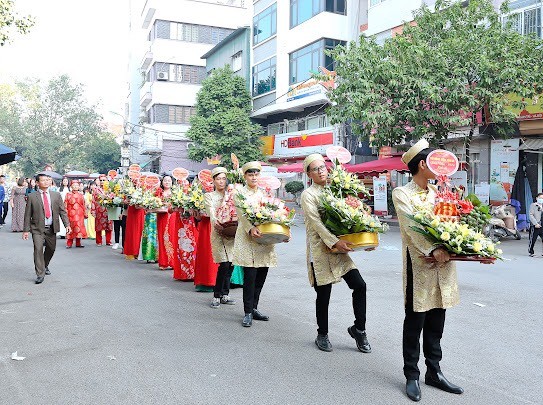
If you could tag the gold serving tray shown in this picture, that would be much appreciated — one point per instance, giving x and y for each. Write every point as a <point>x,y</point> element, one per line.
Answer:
<point>273,233</point>
<point>360,240</point>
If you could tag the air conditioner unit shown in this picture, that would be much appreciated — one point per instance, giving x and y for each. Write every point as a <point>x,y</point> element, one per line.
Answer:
<point>162,76</point>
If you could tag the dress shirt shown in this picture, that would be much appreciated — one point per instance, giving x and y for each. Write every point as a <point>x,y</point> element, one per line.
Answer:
<point>48,221</point>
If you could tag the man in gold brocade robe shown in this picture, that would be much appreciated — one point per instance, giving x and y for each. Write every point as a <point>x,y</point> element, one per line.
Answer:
<point>429,288</point>
<point>326,268</point>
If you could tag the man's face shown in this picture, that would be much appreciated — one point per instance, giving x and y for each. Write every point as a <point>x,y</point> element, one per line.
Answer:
<point>220,181</point>
<point>425,171</point>
<point>251,178</point>
<point>44,182</point>
<point>2,180</point>
<point>318,172</point>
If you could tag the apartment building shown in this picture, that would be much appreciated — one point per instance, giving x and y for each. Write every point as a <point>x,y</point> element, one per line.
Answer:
<point>289,41</point>
<point>175,34</point>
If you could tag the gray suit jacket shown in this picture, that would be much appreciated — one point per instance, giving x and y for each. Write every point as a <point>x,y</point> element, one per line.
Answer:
<point>535,214</point>
<point>35,213</point>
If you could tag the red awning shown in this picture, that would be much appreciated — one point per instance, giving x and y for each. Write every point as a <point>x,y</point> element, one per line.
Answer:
<point>296,167</point>
<point>379,166</point>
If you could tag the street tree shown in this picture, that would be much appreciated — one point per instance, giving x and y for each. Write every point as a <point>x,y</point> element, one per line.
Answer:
<point>430,80</point>
<point>11,22</point>
<point>102,152</point>
<point>222,124</point>
<point>49,123</point>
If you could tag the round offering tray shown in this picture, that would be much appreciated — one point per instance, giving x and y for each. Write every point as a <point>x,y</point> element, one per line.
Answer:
<point>157,210</point>
<point>229,229</point>
<point>360,240</point>
<point>273,233</point>
<point>460,258</point>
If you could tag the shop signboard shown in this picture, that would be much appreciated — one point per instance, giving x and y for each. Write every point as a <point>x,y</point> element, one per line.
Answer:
<point>503,168</point>
<point>532,111</point>
<point>303,143</point>
<point>459,180</point>
<point>482,191</point>
<point>380,203</point>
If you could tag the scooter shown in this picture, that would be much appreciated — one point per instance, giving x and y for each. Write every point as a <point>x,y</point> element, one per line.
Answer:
<point>503,223</point>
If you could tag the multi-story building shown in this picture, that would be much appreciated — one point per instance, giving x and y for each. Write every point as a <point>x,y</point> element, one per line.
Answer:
<point>177,34</point>
<point>289,41</point>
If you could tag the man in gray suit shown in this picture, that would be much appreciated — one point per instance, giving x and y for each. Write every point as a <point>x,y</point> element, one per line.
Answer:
<point>42,220</point>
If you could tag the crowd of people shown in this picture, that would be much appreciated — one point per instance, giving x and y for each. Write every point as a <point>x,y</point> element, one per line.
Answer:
<point>194,244</point>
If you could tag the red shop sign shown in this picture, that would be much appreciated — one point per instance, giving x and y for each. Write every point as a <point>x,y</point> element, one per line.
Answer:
<point>442,162</point>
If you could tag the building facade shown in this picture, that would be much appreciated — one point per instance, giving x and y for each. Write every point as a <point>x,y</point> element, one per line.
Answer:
<point>288,44</point>
<point>176,35</point>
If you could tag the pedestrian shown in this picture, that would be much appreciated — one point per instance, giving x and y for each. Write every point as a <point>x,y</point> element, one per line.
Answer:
<point>429,288</point>
<point>119,227</point>
<point>165,245</point>
<point>64,189</point>
<point>75,208</point>
<point>31,186</point>
<point>18,203</point>
<point>41,218</point>
<point>5,202</point>
<point>255,258</point>
<point>135,218</point>
<point>535,223</point>
<point>326,268</point>
<point>89,221</point>
<point>221,246</point>
<point>102,223</point>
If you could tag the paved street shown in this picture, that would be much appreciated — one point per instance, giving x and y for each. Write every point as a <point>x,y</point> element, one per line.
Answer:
<point>103,330</point>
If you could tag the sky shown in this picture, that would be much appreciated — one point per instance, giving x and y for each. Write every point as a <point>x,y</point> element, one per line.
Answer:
<point>88,40</point>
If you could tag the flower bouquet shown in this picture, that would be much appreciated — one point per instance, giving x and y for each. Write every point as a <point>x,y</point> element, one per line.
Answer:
<point>112,195</point>
<point>187,197</point>
<point>269,215</point>
<point>235,176</point>
<point>344,213</point>
<point>147,199</point>
<point>461,241</point>
<point>226,213</point>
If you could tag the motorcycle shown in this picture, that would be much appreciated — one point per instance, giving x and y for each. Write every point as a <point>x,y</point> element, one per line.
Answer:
<point>503,223</point>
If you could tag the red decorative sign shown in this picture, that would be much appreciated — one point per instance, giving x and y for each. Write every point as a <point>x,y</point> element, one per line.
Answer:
<point>152,181</point>
<point>442,162</point>
<point>112,174</point>
<point>339,153</point>
<point>180,173</point>
<point>269,182</point>
<point>304,141</point>
<point>134,174</point>
<point>206,179</point>
<point>135,167</point>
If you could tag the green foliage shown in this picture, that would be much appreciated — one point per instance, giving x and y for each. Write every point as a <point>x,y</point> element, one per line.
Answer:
<point>11,23</point>
<point>294,187</point>
<point>53,123</point>
<point>432,78</point>
<point>222,124</point>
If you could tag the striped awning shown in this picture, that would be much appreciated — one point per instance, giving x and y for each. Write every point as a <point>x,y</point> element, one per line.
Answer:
<point>531,144</point>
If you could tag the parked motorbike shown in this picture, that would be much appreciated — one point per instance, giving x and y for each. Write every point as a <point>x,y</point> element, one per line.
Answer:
<point>503,223</point>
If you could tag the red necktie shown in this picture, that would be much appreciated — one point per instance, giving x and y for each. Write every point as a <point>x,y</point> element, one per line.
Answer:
<point>46,206</point>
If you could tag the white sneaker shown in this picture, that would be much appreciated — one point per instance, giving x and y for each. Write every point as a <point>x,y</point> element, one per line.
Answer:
<point>115,246</point>
<point>216,303</point>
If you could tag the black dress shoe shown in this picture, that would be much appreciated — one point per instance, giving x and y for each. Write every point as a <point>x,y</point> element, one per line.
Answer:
<point>80,246</point>
<point>412,389</point>
<point>247,320</point>
<point>39,280</point>
<point>47,272</point>
<point>438,380</point>
<point>259,316</point>
<point>323,343</point>
<point>361,339</point>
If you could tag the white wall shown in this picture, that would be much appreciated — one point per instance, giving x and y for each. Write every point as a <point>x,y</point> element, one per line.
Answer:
<point>390,14</point>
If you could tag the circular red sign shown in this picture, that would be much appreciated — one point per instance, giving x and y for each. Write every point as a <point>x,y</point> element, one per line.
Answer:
<point>271,182</point>
<point>442,162</point>
<point>180,173</point>
<point>339,153</point>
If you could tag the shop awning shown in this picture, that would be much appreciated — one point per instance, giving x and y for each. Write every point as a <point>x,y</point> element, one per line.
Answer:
<point>296,167</point>
<point>531,144</point>
<point>379,166</point>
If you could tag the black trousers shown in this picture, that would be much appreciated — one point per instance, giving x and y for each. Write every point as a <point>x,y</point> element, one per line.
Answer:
<point>5,207</point>
<point>253,281</point>
<point>430,323</point>
<point>534,234</point>
<point>222,282</point>
<point>118,225</point>
<point>356,283</point>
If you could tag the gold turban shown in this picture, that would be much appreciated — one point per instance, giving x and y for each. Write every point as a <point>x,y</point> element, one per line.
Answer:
<point>218,170</point>
<point>251,166</point>
<point>415,150</point>
<point>311,158</point>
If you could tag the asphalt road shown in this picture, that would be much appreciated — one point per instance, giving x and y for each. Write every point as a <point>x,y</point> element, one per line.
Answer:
<point>103,330</point>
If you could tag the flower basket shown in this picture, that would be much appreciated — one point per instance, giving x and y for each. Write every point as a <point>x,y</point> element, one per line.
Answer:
<point>113,213</point>
<point>273,233</point>
<point>229,229</point>
<point>360,240</point>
